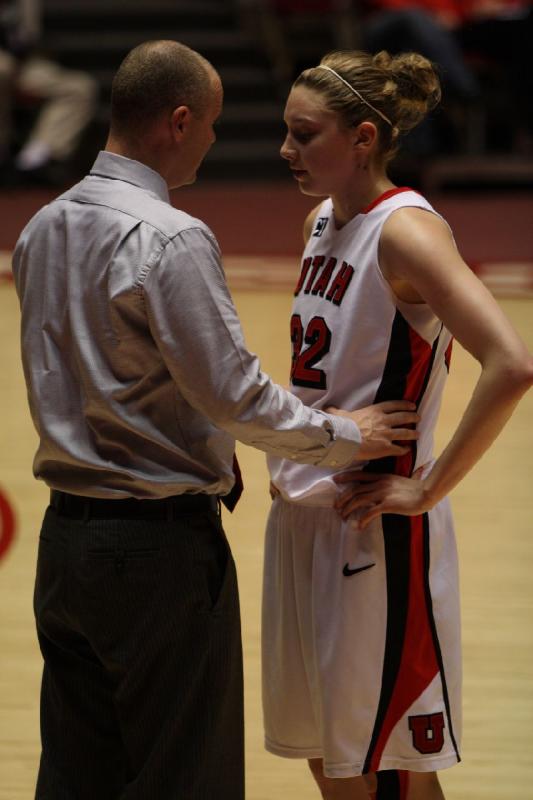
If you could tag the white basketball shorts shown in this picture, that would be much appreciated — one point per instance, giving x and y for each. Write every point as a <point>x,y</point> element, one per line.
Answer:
<point>361,640</point>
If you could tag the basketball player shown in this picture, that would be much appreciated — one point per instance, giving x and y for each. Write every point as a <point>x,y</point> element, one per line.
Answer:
<point>361,637</point>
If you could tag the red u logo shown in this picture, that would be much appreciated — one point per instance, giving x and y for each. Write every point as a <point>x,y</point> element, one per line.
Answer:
<point>428,732</point>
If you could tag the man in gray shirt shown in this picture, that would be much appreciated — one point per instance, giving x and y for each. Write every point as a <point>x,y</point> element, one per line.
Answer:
<point>139,381</point>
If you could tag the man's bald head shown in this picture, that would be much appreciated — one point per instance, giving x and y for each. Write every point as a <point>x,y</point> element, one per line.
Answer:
<point>156,77</point>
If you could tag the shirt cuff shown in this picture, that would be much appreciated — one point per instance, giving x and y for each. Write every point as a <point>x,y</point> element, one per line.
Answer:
<point>345,442</point>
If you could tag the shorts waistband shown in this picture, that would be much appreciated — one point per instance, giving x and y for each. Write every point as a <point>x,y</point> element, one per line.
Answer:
<point>166,508</point>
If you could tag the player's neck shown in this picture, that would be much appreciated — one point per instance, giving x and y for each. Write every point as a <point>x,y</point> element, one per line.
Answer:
<point>348,204</point>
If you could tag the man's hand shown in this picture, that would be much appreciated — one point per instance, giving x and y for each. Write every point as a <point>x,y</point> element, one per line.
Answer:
<point>374,495</point>
<point>382,425</point>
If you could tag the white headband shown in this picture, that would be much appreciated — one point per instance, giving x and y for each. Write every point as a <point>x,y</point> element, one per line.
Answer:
<point>358,94</point>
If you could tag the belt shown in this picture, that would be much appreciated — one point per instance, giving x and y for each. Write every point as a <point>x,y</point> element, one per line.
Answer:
<point>166,508</point>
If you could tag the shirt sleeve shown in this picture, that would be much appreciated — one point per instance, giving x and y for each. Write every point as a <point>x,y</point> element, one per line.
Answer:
<point>197,331</point>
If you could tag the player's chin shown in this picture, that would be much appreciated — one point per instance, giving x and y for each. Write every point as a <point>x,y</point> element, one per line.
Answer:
<point>312,191</point>
<point>311,187</point>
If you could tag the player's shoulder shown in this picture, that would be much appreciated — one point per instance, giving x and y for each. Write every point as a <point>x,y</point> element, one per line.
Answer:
<point>413,220</point>
<point>405,213</point>
<point>412,238</point>
<point>392,201</point>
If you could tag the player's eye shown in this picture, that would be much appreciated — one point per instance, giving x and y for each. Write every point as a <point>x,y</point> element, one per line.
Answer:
<point>302,136</point>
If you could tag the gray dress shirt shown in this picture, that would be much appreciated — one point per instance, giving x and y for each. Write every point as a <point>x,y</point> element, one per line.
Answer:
<point>138,376</point>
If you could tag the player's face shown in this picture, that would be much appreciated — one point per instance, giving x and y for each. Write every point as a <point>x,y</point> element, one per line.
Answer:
<point>201,135</point>
<point>318,146</point>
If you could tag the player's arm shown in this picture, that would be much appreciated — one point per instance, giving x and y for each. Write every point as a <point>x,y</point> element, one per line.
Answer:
<point>417,251</point>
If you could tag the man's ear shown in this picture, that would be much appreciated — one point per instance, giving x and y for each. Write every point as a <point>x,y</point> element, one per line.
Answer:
<point>179,121</point>
<point>365,135</point>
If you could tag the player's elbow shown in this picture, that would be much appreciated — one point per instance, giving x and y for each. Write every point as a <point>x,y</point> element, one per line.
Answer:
<point>518,373</point>
<point>511,370</point>
<point>529,376</point>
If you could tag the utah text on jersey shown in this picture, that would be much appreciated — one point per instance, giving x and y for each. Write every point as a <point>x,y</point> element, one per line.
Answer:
<point>336,281</point>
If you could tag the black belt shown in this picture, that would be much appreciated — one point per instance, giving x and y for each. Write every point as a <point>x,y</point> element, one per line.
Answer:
<point>167,508</point>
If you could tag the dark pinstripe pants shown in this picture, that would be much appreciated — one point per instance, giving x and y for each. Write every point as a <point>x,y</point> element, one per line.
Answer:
<point>138,623</point>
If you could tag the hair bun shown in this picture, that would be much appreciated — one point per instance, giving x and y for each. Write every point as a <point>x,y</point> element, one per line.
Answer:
<point>416,86</point>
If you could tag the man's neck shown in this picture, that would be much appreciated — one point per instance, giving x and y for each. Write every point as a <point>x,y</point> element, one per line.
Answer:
<point>144,155</point>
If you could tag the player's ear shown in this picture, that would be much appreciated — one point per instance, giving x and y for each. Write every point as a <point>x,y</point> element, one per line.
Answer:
<point>179,121</point>
<point>364,136</point>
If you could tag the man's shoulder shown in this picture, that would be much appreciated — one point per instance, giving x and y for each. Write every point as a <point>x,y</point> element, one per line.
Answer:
<point>134,201</point>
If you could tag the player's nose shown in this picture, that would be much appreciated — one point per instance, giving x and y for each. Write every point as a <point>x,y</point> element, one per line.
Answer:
<point>287,151</point>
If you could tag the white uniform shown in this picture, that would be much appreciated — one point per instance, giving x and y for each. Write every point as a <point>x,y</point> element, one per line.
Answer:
<point>361,631</point>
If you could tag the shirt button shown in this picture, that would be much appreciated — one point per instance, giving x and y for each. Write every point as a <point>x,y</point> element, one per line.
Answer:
<point>333,463</point>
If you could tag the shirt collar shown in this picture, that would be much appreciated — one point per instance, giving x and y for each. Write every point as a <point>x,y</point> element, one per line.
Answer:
<point>111,165</point>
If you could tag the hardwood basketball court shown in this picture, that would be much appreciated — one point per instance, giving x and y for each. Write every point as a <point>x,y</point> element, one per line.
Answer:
<point>493,512</point>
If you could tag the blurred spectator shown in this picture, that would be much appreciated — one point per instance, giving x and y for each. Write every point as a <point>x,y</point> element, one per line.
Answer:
<point>465,38</point>
<point>427,27</point>
<point>281,24</point>
<point>66,99</point>
<point>496,35</point>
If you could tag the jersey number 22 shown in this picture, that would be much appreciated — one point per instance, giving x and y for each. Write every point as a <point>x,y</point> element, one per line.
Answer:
<point>318,338</point>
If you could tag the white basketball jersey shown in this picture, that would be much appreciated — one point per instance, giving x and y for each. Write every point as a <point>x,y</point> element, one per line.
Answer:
<point>355,343</point>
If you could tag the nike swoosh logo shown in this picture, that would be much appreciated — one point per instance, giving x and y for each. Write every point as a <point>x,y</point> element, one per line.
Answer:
<point>347,572</point>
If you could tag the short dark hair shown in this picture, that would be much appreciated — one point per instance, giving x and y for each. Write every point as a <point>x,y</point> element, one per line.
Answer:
<point>155,77</point>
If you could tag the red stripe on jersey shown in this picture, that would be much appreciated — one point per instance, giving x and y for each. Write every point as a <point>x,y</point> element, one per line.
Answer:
<point>421,353</point>
<point>385,196</point>
<point>416,381</point>
<point>419,664</point>
<point>448,355</point>
<point>406,375</point>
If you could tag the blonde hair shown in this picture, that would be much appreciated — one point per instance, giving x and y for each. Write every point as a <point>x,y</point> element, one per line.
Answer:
<point>402,89</point>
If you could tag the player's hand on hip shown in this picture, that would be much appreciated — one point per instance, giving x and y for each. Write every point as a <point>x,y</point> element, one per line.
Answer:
<point>383,426</point>
<point>372,495</point>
